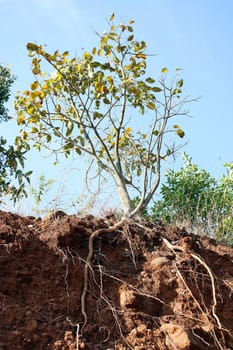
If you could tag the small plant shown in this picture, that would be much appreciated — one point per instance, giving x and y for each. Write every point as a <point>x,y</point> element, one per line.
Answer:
<point>39,192</point>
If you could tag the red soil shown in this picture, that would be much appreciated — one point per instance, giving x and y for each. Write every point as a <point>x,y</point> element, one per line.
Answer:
<point>148,287</point>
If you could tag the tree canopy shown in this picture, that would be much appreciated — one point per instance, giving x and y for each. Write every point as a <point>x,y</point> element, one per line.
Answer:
<point>105,105</point>
<point>11,157</point>
<point>6,80</point>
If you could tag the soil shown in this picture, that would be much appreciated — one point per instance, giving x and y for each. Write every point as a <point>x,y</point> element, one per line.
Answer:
<point>89,283</point>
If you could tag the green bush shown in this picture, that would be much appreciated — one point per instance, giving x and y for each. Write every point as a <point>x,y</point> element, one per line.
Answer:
<point>191,195</point>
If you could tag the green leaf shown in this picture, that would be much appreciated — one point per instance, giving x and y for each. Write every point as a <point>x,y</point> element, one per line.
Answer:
<point>106,101</point>
<point>32,47</point>
<point>176,91</point>
<point>180,83</point>
<point>156,89</point>
<point>130,38</point>
<point>150,80</point>
<point>78,150</point>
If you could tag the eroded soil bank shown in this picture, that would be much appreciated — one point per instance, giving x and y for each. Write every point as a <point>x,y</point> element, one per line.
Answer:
<point>138,286</point>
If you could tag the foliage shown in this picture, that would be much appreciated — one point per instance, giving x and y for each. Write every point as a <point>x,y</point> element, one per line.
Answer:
<point>192,195</point>
<point>6,80</point>
<point>11,157</point>
<point>103,104</point>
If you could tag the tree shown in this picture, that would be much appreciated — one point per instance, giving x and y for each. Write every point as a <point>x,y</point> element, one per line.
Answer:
<point>103,104</point>
<point>192,195</point>
<point>6,80</point>
<point>11,157</point>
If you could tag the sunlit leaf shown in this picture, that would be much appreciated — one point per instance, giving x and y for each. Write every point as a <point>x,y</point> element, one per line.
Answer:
<point>141,55</point>
<point>21,119</point>
<point>34,130</point>
<point>180,133</point>
<point>87,55</point>
<point>112,17</point>
<point>34,118</point>
<point>36,70</point>
<point>164,70</point>
<point>150,105</point>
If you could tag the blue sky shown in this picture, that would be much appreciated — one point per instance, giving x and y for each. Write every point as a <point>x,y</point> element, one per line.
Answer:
<point>194,35</point>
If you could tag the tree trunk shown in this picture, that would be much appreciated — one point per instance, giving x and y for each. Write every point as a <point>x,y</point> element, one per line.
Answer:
<point>124,196</point>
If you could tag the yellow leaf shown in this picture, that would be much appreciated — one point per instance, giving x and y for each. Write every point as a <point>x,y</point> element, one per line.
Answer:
<point>101,89</point>
<point>86,55</point>
<point>34,85</point>
<point>164,70</point>
<point>30,110</point>
<point>99,52</point>
<point>44,86</point>
<point>78,67</point>
<point>24,135</point>
<point>141,55</point>
<point>110,80</point>
<point>150,105</point>
<point>21,119</point>
<point>180,133</point>
<point>34,119</point>
<point>34,130</point>
<point>112,17</point>
<point>128,130</point>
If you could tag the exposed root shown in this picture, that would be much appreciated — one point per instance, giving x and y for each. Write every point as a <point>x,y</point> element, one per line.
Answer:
<point>94,235</point>
<point>175,248</point>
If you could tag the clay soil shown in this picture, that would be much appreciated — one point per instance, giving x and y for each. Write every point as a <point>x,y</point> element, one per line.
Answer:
<point>146,286</point>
